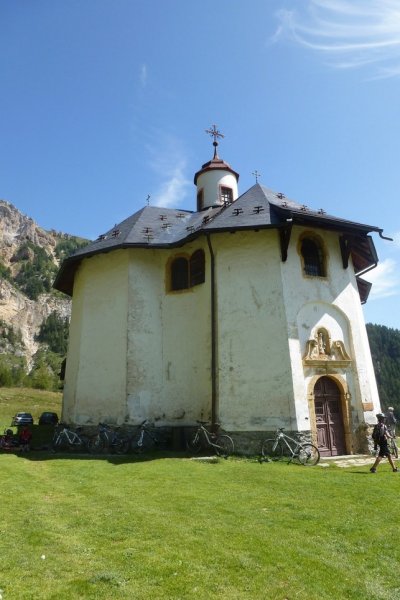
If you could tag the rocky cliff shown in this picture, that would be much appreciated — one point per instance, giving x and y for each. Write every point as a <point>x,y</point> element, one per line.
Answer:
<point>29,259</point>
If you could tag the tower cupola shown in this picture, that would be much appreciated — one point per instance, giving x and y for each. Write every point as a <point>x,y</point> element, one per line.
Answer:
<point>217,182</point>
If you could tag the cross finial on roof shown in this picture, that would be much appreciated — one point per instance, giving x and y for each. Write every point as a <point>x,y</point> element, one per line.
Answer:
<point>148,199</point>
<point>215,134</point>
<point>256,175</point>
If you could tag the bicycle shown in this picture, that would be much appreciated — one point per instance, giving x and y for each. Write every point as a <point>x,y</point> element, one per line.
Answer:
<point>392,445</point>
<point>274,449</point>
<point>69,439</point>
<point>145,438</point>
<point>107,439</point>
<point>202,438</point>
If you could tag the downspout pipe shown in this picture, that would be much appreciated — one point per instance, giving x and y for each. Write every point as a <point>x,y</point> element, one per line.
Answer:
<point>213,338</point>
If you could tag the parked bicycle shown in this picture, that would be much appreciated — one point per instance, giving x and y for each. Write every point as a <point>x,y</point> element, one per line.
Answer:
<point>222,444</point>
<point>69,439</point>
<point>108,439</point>
<point>284,445</point>
<point>392,444</point>
<point>146,438</point>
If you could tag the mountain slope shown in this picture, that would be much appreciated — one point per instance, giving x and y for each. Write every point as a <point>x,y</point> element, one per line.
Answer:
<point>29,259</point>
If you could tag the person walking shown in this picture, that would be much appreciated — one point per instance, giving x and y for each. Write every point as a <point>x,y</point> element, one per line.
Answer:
<point>380,435</point>
<point>391,420</point>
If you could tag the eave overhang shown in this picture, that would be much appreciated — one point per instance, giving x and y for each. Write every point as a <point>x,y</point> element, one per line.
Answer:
<point>257,209</point>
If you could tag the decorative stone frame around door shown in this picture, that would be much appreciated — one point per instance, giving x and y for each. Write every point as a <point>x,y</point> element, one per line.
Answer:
<point>345,399</point>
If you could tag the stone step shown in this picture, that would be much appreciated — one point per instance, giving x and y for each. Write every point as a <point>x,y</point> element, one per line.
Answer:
<point>347,460</point>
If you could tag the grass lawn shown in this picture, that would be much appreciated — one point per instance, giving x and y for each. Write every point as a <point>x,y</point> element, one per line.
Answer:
<point>171,527</point>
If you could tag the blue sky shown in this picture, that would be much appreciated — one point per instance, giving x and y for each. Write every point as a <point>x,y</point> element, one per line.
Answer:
<point>106,101</point>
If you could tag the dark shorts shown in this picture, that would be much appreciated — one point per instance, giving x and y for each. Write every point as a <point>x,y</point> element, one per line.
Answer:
<point>383,448</point>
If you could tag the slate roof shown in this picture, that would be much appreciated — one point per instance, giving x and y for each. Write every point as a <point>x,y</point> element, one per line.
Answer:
<point>258,208</point>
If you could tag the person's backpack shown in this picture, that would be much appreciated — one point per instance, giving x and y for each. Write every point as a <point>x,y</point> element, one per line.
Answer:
<point>378,433</point>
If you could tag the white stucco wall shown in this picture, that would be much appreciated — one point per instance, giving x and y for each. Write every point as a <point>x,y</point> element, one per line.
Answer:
<point>96,364</point>
<point>254,375</point>
<point>169,342</point>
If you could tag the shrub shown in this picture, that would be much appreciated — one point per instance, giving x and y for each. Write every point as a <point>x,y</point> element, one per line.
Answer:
<point>37,270</point>
<point>54,332</point>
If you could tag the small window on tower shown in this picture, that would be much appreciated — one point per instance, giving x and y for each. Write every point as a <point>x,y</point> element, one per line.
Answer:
<point>197,268</point>
<point>313,258</point>
<point>200,200</point>
<point>180,274</point>
<point>226,194</point>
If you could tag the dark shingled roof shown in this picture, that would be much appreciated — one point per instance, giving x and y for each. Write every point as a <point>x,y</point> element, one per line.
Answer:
<point>258,208</point>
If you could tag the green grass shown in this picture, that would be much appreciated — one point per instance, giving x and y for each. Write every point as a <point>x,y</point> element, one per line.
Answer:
<point>80,527</point>
<point>13,400</point>
<point>171,528</point>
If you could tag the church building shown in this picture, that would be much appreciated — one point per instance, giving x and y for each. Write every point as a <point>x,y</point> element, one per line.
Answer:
<point>245,312</point>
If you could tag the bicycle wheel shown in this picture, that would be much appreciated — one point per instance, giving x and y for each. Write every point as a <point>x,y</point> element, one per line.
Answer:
<point>308,454</point>
<point>56,443</point>
<point>194,444</point>
<point>272,450</point>
<point>96,445</point>
<point>121,446</point>
<point>79,444</point>
<point>224,446</point>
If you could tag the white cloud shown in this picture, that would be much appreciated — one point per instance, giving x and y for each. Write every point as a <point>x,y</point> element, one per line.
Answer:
<point>167,160</point>
<point>385,280</point>
<point>172,192</point>
<point>396,238</point>
<point>349,33</point>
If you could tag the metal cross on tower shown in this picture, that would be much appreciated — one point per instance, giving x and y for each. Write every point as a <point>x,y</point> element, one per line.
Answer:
<point>215,134</point>
<point>256,175</point>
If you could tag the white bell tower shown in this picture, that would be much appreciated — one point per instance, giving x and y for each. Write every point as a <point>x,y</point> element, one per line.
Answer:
<point>217,182</point>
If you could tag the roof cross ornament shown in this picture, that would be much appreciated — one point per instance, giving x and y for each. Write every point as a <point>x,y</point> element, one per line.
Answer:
<point>215,134</point>
<point>256,175</point>
<point>148,199</point>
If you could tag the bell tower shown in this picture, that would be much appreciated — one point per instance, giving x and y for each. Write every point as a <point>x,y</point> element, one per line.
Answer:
<point>216,182</point>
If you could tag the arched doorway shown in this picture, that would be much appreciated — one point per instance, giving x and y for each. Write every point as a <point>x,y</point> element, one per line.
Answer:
<point>329,417</point>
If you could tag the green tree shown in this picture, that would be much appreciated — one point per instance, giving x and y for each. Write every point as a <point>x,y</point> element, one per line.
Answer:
<point>36,272</point>
<point>385,350</point>
<point>54,332</point>
<point>6,378</point>
<point>5,272</point>
<point>68,246</point>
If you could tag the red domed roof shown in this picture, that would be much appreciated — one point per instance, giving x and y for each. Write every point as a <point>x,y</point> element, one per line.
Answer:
<point>215,164</point>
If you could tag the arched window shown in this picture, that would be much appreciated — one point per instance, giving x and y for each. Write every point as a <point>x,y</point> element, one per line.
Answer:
<point>226,194</point>
<point>180,274</point>
<point>313,258</point>
<point>197,268</point>
<point>187,272</point>
<point>200,200</point>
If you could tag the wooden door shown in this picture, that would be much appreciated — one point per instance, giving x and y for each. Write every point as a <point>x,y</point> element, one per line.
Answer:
<point>328,412</point>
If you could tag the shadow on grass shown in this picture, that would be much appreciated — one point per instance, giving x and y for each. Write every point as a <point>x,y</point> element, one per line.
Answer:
<point>357,472</point>
<point>41,450</point>
<point>115,459</point>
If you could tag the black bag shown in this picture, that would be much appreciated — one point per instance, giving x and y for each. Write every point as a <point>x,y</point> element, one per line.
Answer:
<point>378,434</point>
